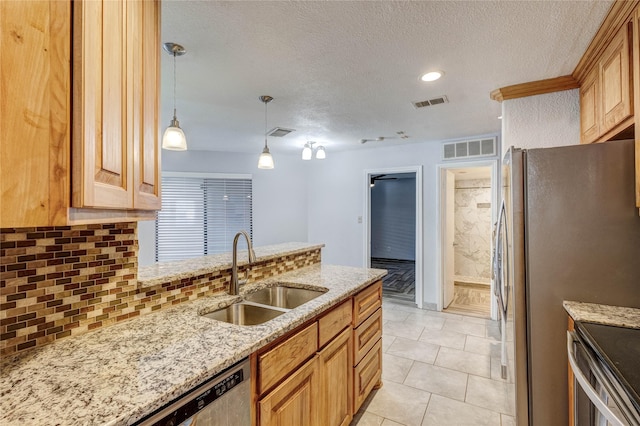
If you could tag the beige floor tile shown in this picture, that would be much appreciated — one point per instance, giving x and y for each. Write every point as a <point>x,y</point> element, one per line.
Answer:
<point>491,394</point>
<point>394,315</point>
<point>387,341</point>
<point>400,403</point>
<point>467,362</point>
<point>445,411</point>
<point>439,380</point>
<point>388,422</point>
<point>395,368</point>
<point>401,329</point>
<point>450,339</point>
<point>508,420</point>
<point>427,321</point>
<point>464,327</point>
<point>480,345</point>
<point>365,418</point>
<point>414,350</point>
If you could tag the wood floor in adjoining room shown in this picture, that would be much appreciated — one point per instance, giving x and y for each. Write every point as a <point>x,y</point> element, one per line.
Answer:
<point>471,299</point>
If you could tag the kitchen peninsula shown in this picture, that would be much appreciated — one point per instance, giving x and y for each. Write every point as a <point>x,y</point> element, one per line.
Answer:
<point>116,375</point>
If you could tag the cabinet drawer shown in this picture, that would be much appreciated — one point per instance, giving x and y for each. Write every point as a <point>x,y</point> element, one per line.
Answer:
<point>366,375</point>
<point>286,357</point>
<point>366,302</point>
<point>334,322</point>
<point>366,335</point>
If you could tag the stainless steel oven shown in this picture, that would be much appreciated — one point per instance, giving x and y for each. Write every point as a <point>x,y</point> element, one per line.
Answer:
<point>599,398</point>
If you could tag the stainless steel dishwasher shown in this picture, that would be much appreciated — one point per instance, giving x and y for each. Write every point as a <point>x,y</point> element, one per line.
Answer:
<point>224,400</point>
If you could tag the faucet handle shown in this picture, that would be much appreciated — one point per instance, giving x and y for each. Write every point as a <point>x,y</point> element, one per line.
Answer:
<point>245,279</point>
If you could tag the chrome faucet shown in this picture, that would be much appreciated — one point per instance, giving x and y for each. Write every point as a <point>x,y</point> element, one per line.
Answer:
<point>233,286</point>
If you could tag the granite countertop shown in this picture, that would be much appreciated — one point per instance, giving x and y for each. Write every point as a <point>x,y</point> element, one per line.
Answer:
<point>163,272</point>
<point>603,314</point>
<point>118,374</point>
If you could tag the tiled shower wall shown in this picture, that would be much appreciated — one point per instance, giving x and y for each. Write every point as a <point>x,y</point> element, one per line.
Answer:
<point>57,282</point>
<point>472,252</point>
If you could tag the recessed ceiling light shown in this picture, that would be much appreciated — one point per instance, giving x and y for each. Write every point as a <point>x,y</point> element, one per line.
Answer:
<point>499,117</point>
<point>432,76</point>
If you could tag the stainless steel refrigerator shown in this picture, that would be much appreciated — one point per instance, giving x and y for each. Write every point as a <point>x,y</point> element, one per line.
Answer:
<point>569,231</point>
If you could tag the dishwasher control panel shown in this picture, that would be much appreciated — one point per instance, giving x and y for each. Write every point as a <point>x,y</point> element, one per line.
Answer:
<point>187,407</point>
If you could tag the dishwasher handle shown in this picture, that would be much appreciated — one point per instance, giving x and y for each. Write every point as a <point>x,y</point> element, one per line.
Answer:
<point>585,384</point>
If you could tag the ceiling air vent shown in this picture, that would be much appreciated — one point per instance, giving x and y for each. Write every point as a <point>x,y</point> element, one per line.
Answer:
<point>279,132</point>
<point>470,148</point>
<point>431,102</point>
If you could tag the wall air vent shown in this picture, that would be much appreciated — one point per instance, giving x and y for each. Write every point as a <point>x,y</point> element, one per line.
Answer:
<point>469,149</point>
<point>430,102</point>
<point>279,132</point>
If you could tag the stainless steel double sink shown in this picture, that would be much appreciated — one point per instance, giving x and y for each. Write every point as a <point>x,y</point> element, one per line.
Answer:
<point>265,304</point>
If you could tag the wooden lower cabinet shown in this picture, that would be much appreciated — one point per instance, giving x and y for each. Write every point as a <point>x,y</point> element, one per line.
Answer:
<point>336,386</point>
<point>295,401</point>
<point>367,375</point>
<point>311,376</point>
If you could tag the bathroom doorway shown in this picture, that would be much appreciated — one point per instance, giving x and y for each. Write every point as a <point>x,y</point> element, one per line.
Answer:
<point>394,231</point>
<point>467,200</point>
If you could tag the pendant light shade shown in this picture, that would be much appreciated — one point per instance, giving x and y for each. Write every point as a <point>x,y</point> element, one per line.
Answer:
<point>265,161</point>
<point>307,151</point>
<point>174,138</point>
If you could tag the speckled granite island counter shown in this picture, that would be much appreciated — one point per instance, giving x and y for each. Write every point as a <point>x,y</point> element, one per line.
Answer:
<point>116,375</point>
<point>603,314</point>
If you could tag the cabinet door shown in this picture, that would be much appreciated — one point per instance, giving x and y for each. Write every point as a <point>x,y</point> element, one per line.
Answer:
<point>336,386</point>
<point>590,108</point>
<point>143,36</point>
<point>295,401</point>
<point>614,82</point>
<point>102,152</point>
<point>367,375</point>
<point>35,107</point>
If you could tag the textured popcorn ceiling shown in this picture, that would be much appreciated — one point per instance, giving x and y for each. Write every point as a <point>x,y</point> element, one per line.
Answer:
<point>342,71</point>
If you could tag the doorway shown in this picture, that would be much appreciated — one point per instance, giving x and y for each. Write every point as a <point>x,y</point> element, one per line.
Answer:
<point>467,196</point>
<point>393,231</point>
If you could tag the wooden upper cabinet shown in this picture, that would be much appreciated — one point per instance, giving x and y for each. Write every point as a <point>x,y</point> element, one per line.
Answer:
<point>590,107</point>
<point>606,92</point>
<point>115,83</point>
<point>146,105</point>
<point>617,98</point>
<point>35,112</point>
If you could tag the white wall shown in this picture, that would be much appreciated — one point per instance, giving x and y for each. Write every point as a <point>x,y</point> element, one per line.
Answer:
<point>541,121</point>
<point>337,188</point>
<point>279,195</point>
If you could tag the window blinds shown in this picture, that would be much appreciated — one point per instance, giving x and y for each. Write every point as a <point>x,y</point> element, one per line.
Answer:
<point>200,215</point>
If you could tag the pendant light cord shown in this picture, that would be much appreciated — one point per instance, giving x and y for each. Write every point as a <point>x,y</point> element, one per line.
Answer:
<point>265,124</point>
<point>174,85</point>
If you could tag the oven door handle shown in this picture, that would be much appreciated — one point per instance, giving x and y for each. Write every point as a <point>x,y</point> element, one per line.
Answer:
<point>585,384</point>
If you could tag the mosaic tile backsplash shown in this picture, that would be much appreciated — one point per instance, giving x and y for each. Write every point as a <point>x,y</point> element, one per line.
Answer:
<point>57,282</point>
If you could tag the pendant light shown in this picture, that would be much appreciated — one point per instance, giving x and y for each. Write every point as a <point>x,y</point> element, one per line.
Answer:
<point>266,160</point>
<point>307,151</point>
<point>174,138</point>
